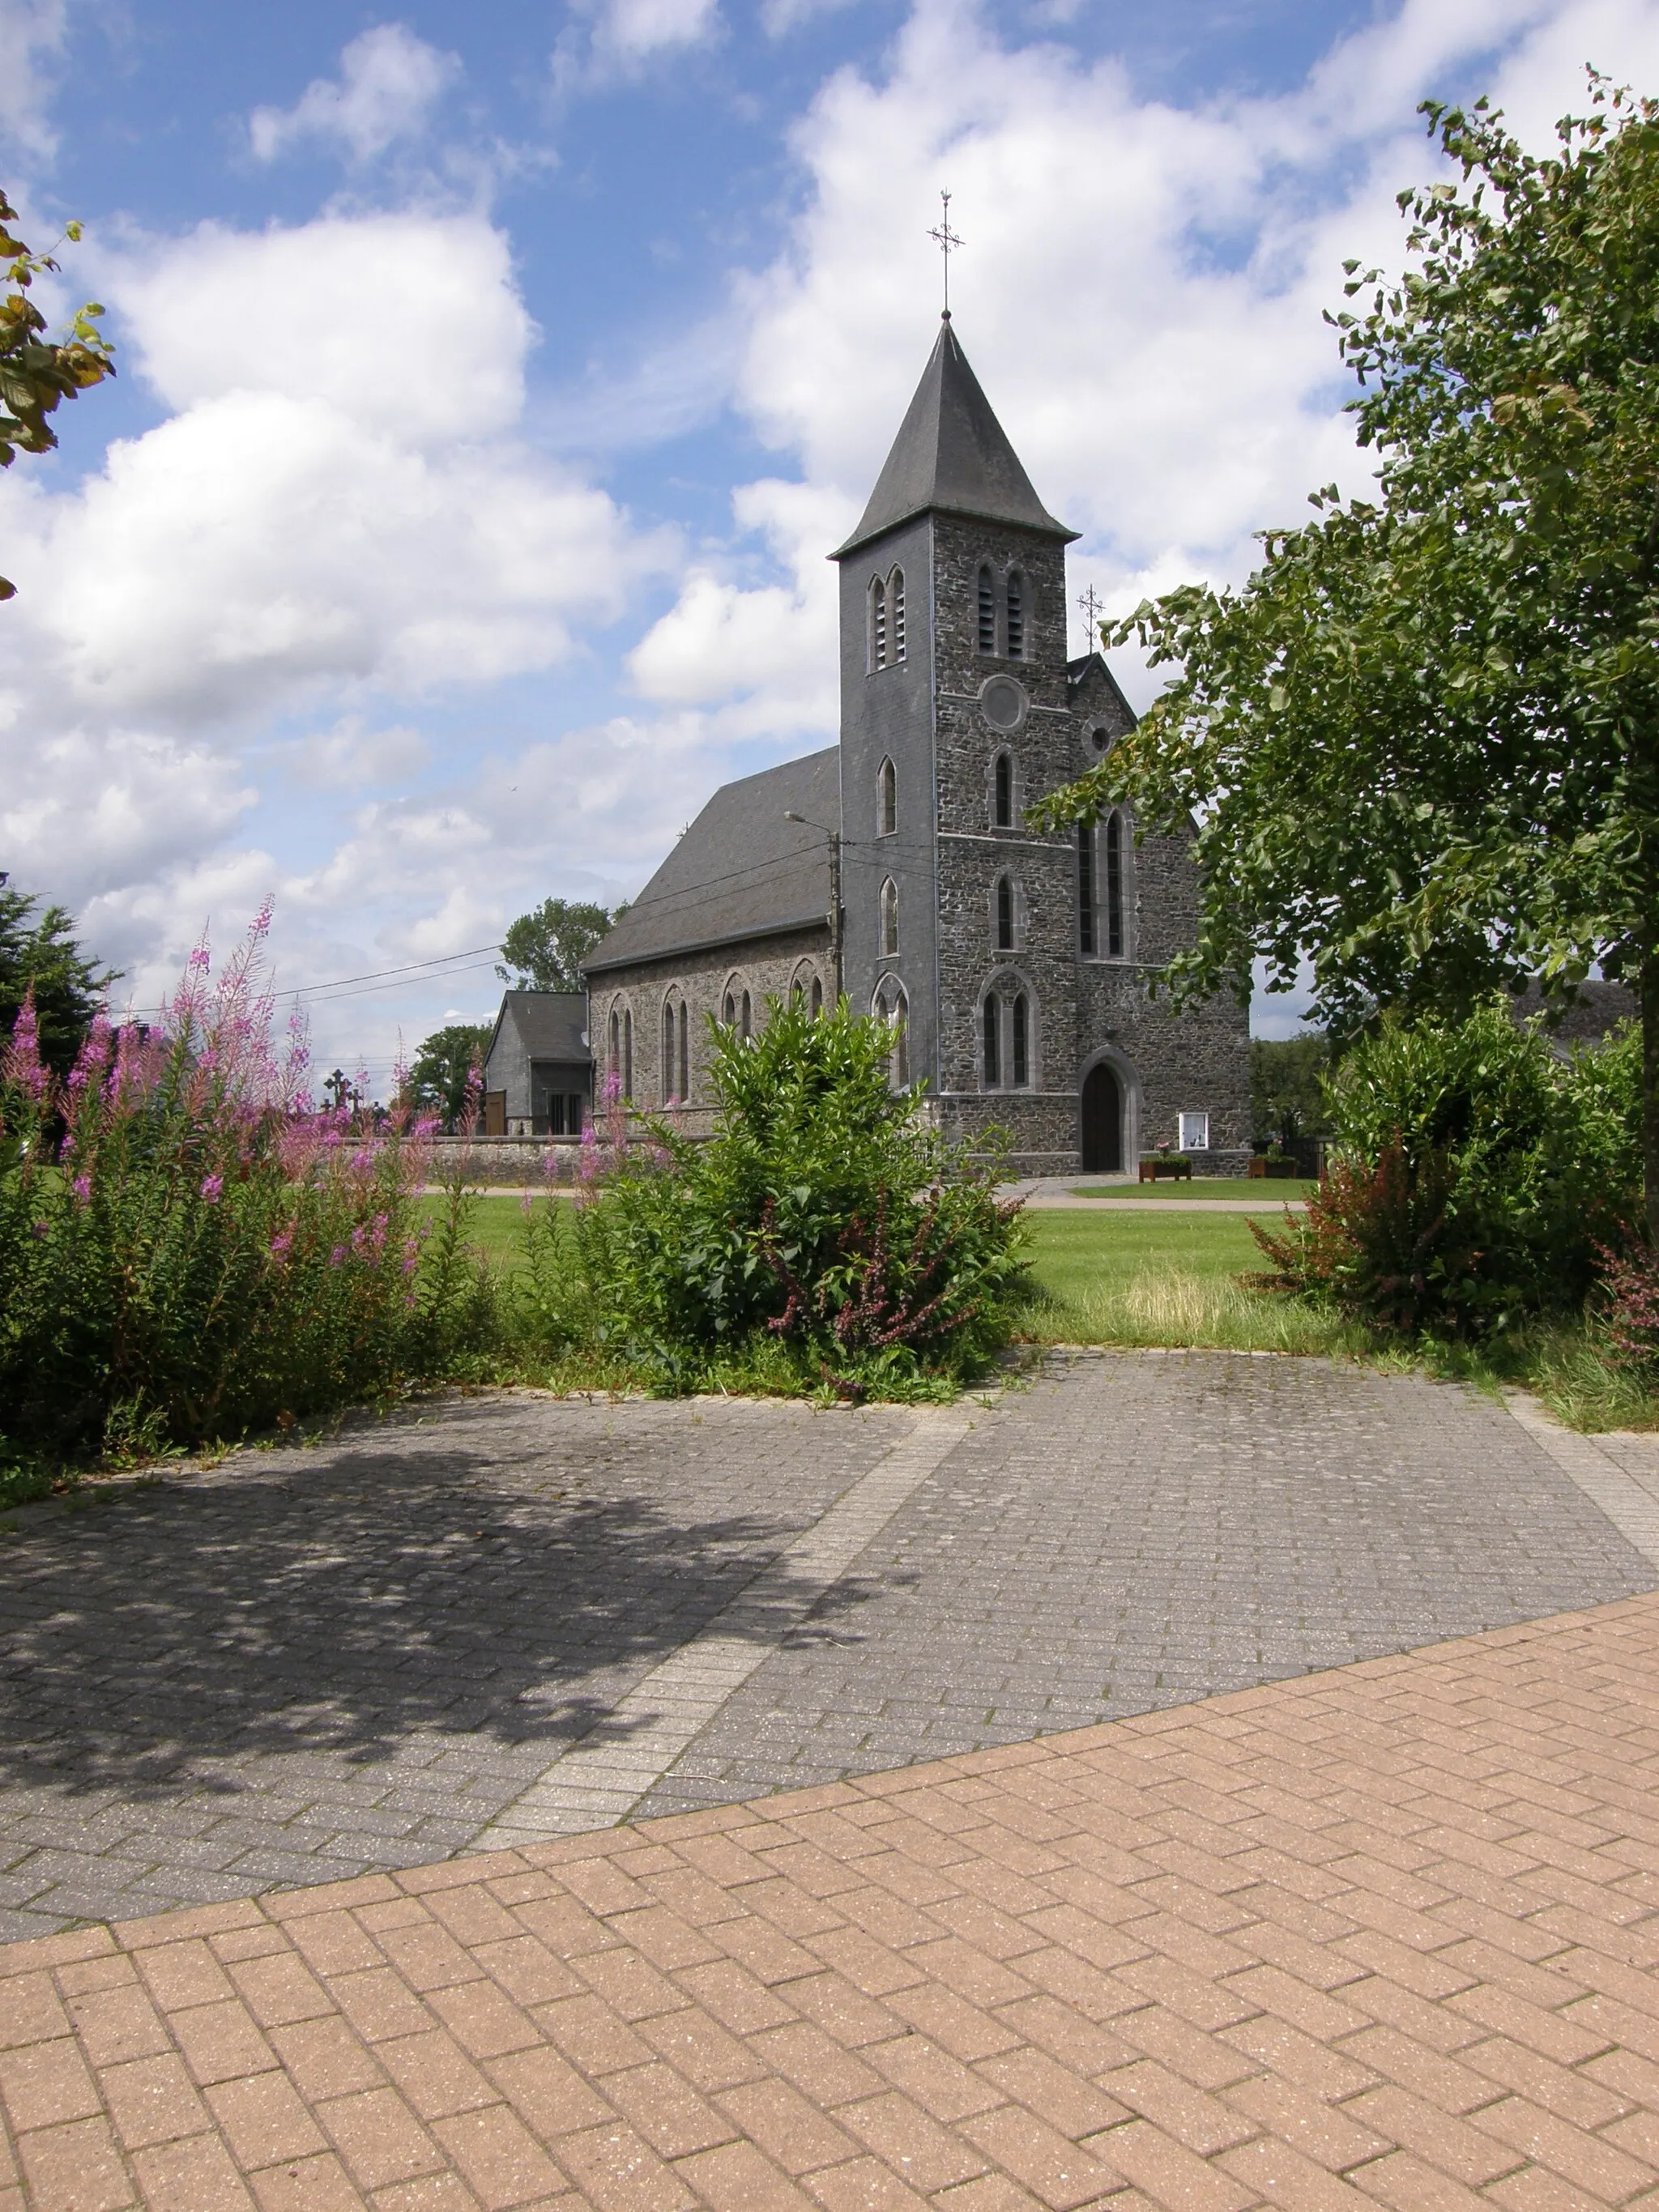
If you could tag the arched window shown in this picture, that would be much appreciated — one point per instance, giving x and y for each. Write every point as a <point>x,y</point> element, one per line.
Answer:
<point>628,1052</point>
<point>1016,616</point>
<point>878,624</point>
<point>1002,797</point>
<point>616,1044</point>
<point>685,1051</point>
<point>1021,1041</point>
<point>890,916</point>
<point>992,1018</point>
<point>886,799</point>
<point>1114,886</point>
<point>896,611</point>
<point>817,998</point>
<point>1085,887</point>
<point>1005,913</point>
<point>892,1005</point>
<point>987,612</point>
<point>669,1093</point>
<point>748,1016</point>
<point>729,1009</point>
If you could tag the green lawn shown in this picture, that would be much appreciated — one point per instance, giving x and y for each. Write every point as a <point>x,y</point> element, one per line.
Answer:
<point>1105,1278</point>
<point>1162,1278</point>
<point>1203,1186</point>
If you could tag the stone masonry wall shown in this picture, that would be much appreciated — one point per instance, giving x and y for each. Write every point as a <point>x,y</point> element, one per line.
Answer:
<point>764,966</point>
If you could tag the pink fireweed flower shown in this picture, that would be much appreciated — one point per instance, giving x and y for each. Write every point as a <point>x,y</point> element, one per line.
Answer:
<point>211,1187</point>
<point>337,1257</point>
<point>21,1063</point>
<point>82,1189</point>
<point>282,1244</point>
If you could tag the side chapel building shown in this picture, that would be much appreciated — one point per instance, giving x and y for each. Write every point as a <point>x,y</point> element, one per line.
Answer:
<point>898,865</point>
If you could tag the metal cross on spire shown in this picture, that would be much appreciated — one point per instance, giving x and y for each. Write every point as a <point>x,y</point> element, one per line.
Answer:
<point>947,242</point>
<point>1093,607</point>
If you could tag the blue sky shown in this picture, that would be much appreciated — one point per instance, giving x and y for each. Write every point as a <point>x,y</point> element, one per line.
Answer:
<point>494,380</point>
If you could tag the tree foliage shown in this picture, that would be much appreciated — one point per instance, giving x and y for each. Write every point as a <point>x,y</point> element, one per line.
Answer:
<point>1421,743</point>
<point>1288,1097</point>
<point>38,953</point>
<point>37,374</point>
<point>545,948</point>
<point>443,1067</point>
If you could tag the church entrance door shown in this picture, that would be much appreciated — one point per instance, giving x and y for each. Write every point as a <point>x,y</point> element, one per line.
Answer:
<point>1103,1122</point>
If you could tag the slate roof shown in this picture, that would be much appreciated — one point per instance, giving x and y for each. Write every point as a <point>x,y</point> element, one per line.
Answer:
<point>740,871</point>
<point>952,454</point>
<point>549,1023</point>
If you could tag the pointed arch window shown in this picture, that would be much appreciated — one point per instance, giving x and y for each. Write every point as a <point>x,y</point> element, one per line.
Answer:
<point>889,917</point>
<point>896,613</point>
<point>891,1005</point>
<point>1085,887</point>
<point>886,799</point>
<point>817,998</point>
<point>1115,929</point>
<point>748,1016</point>
<point>992,1041</point>
<point>877,623</point>
<point>1016,616</point>
<point>1002,792</point>
<point>987,612</point>
<point>669,1093</point>
<point>729,1009</point>
<point>1005,913</point>
<point>628,1052</point>
<point>616,1044</point>
<point>1022,1027</point>
<point>685,1052</point>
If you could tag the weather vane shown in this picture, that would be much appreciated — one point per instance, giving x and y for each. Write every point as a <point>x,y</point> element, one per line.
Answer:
<point>947,241</point>
<point>1093,607</point>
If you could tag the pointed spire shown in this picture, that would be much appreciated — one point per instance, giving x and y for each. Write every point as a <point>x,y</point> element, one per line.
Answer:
<point>951,453</point>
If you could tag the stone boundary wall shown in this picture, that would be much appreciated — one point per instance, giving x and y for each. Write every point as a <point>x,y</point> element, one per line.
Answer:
<point>509,1162</point>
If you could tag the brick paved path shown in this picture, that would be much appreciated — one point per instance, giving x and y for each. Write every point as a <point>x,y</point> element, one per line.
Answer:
<point>1384,1935</point>
<point>370,1653</point>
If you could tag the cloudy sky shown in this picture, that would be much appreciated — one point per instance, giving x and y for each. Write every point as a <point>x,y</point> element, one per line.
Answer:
<point>494,380</point>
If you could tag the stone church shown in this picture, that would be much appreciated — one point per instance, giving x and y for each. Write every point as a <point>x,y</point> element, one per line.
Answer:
<point>898,865</point>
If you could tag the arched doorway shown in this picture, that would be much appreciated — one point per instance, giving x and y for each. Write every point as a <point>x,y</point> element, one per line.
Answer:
<point>1103,1122</point>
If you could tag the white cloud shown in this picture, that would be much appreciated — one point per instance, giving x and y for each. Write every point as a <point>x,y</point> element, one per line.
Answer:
<point>605,40</point>
<point>320,528</point>
<point>1140,293</point>
<point>389,82</point>
<point>31,34</point>
<point>350,758</point>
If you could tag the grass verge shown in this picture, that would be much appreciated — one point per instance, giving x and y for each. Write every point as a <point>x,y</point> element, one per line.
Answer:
<point>1145,1279</point>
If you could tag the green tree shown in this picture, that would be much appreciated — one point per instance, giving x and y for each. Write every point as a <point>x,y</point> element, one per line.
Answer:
<point>40,952</point>
<point>1421,743</point>
<point>443,1067</point>
<point>545,948</point>
<point>37,373</point>
<point>1287,1099</point>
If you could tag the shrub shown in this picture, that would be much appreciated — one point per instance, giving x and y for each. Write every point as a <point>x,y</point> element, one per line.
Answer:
<point>1630,1306</point>
<point>188,1249</point>
<point>823,1222</point>
<point>1474,1175</point>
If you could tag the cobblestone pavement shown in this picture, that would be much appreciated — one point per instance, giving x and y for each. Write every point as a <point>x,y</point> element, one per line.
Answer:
<point>370,1652</point>
<point>1384,1935</point>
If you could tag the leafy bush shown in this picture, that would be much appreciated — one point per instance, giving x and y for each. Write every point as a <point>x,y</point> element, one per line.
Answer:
<point>1630,1306</point>
<point>1474,1175</point>
<point>824,1231</point>
<point>188,1249</point>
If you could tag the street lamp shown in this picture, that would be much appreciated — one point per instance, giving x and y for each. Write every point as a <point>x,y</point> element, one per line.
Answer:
<point>834,838</point>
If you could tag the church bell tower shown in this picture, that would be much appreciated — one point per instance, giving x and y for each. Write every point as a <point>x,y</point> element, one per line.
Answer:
<point>957,713</point>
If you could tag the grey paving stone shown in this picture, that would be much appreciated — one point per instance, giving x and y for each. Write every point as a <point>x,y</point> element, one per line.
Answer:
<point>352,1655</point>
